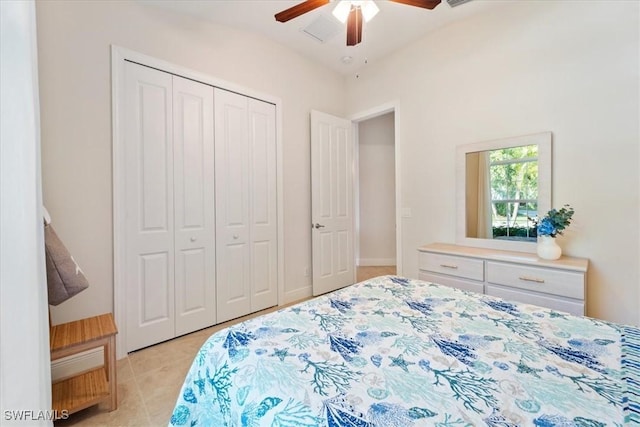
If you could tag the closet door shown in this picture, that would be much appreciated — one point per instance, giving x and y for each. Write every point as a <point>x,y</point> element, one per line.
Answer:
<point>149,257</point>
<point>233,250</point>
<point>246,211</point>
<point>195,300</point>
<point>263,209</point>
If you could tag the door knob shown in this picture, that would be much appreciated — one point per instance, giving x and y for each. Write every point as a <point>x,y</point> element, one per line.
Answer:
<point>193,239</point>
<point>235,236</point>
<point>318,225</point>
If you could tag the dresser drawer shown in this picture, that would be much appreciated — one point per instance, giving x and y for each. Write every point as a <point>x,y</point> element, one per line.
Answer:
<point>543,300</point>
<point>549,281</point>
<point>452,265</point>
<point>454,282</point>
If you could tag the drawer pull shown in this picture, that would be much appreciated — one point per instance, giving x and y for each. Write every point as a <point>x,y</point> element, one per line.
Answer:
<point>452,266</point>
<point>531,279</point>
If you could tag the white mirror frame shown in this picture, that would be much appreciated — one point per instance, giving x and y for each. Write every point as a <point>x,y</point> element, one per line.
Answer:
<point>543,141</point>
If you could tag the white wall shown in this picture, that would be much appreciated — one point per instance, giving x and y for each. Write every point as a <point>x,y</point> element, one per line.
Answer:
<point>25,378</point>
<point>376,170</point>
<point>74,57</point>
<point>569,67</point>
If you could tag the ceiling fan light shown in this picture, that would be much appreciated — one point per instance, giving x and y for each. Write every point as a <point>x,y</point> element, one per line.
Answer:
<point>369,10</point>
<point>341,11</point>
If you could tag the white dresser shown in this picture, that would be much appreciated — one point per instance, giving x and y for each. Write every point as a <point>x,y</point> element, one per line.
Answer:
<point>518,276</point>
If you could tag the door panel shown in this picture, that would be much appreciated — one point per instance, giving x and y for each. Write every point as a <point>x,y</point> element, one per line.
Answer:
<point>342,248</point>
<point>155,153</point>
<point>262,260</point>
<point>194,297</point>
<point>343,173</point>
<point>232,203</point>
<point>153,288</point>
<point>195,283</point>
<point>264,221</point>
<point>324,187</point>
<point>325,251</point>
<point>149,258</point>
<point>236,272</point>
<point>331,203</point>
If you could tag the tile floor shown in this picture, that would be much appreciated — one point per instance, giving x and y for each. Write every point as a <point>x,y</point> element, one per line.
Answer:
<point>149,379</point>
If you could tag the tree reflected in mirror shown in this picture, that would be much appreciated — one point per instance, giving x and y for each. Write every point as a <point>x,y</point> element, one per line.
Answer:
<point>513,179</point>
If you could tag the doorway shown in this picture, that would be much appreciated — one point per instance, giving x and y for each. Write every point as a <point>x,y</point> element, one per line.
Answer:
<point>367,192</point>
<point>377,242</point>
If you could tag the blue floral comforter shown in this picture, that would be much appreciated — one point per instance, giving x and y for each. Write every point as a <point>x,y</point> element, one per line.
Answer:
<point>395,352</point>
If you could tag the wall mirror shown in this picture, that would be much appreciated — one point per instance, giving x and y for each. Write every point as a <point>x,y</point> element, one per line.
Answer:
<point>502,187</point>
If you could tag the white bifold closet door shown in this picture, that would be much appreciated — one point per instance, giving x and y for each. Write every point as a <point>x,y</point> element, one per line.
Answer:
<point>246,219</point>
<point>193,150</point>
<point>169,203</point>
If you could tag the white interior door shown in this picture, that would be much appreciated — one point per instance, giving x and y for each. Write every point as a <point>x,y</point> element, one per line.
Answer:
<point>233,248</point>
<point>149,253</point>
<point>195,278</point>
<point>331,203</point>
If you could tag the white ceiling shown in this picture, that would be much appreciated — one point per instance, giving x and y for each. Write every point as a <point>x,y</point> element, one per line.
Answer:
<point>395,26</point>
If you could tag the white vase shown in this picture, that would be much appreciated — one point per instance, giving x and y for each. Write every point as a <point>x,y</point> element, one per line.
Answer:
<point>548,248</point>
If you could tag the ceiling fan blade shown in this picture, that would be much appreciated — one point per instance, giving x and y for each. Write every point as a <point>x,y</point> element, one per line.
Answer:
<point>426,4</point>
<point>299,9</point>
<point>354,26</point>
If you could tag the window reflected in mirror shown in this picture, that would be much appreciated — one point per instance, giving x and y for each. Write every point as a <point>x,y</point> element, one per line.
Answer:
<point>502,193</point>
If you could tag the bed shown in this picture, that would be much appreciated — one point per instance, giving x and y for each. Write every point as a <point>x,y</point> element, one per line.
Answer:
<point>392,351</point>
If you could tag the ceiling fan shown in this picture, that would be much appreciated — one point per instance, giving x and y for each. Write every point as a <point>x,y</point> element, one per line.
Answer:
<point>353,12</point>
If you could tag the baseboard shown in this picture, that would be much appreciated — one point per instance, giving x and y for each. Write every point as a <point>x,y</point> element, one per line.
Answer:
<point>376,262</point>
<point>298,294</point>
<point>71,365</point>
